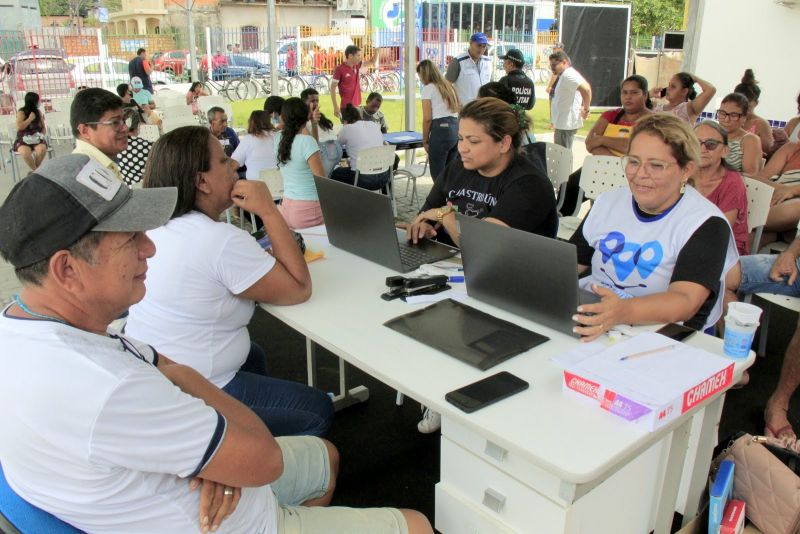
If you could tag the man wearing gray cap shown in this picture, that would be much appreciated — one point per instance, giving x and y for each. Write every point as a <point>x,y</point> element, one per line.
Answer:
<point>103,431</point>
<point>516,79</point>
<point>471,69</point>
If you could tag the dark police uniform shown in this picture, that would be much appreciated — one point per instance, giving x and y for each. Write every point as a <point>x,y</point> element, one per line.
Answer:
<point>522,87</point>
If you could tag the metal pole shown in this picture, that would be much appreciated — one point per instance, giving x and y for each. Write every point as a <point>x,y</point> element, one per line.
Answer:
<point>103,56</point>
<point>409,72</point>
<point>192,40</point>
<point>209,66</point>
<point>273,46</point>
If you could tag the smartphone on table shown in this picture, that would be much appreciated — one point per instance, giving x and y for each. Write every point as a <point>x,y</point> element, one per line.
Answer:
<point>485,392</point>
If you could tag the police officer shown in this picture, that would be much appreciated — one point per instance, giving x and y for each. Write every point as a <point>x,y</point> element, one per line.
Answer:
<point>470,70</point>
<point>516,80</point>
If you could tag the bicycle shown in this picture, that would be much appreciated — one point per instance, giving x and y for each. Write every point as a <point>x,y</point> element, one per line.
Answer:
<point>226,89</point>
<point>260,87</point>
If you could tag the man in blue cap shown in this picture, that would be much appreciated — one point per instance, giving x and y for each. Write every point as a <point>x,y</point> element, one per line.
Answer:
<point>471,69</point>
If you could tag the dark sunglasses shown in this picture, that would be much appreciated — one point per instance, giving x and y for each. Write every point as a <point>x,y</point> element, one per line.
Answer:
<point>710,144</point>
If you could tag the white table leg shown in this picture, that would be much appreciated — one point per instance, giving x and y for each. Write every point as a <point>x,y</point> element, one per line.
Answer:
<point>698,479</point>
<point>345,397</point>
<point>665,507</point>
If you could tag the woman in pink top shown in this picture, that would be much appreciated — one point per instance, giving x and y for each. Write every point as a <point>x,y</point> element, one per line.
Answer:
<point>681,99</point>
<point>720,184</point>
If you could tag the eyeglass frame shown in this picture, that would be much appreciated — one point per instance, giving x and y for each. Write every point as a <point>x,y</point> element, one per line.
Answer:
<point>127,122</point>
<point>625,161</point>
<point>721,113</point>
<point>716,143</point>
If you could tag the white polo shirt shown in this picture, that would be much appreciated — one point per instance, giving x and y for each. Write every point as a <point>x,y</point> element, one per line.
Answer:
<point>96,435</point>
<point>358,136</point>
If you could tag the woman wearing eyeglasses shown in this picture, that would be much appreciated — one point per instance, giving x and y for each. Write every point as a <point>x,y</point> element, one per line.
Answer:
<point>657,251</point>
<point>720,184</point>
<point>744,148</point>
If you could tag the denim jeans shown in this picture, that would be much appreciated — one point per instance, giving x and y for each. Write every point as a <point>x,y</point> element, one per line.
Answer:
<point>442,144</point>
<point>287,408</point>
<point>755,276</point>
<point>372,182</point>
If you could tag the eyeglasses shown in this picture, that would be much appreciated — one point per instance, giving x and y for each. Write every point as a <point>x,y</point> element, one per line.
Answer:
<point>654,167</point>
<point>114,123</point>
<point>732,116</point>
<point>710,144</point>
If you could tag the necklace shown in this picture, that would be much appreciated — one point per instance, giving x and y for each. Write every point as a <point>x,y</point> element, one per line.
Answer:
<point>26,309</point>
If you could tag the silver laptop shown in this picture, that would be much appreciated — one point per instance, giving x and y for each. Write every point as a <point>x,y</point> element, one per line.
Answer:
<point>362,223</point>
<point>528,274</point>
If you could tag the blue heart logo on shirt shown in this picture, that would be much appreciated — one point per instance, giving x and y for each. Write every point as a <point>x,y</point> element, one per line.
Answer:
<point>628,257</point>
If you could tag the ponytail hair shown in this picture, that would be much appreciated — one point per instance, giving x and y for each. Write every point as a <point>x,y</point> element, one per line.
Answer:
<point>687,82</point>
<point>294,115</point>
<point>498,119</point>
<point>749,86</point>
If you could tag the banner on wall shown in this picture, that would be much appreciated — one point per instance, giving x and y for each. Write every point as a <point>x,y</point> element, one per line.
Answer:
<point>387,21</point>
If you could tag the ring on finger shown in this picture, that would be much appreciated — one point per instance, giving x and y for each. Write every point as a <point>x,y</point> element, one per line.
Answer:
<point>228,492</point>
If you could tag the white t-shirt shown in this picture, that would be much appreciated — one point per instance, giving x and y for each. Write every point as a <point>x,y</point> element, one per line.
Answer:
<point>94,434</point>
<point>257,152</point>
<point>439,107</point>
<point>358,136</point>
<point>191,311</point>
<point>565,110</point>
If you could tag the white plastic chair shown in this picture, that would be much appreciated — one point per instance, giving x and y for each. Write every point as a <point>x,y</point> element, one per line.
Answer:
<point>175,112</point>
<point>168,97</point>
<point>559,167</point>
<point>377,160</point>
<point>599,174</point>
<point>410,173</point>
<point>149,132</point>
<point>58,127</point>
<point>16,173</point>
<point>759,196</point>
<point>170,124</point>
<point>204,103</point>
<point>274,180</point>
<point>61,104</point>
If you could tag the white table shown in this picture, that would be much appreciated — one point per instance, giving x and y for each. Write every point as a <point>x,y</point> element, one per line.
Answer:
<point>537,462</point>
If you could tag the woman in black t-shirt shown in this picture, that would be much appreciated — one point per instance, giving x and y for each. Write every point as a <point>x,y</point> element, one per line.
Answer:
<point>491,180</point>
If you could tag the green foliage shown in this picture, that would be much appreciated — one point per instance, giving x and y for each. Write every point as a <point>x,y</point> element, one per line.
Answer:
<point>53,8</point>
<point>652,17</point>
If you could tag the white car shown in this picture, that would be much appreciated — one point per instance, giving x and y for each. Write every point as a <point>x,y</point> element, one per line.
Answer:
<point>86,72</point>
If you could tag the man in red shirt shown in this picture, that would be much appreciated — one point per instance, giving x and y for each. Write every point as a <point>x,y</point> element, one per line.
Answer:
<point>346,76</point>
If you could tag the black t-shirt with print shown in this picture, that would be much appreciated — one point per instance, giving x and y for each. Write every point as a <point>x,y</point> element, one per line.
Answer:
<point>520,196</point>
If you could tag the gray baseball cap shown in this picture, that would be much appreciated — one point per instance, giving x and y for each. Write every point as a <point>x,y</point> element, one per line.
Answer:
<point>66,198</point>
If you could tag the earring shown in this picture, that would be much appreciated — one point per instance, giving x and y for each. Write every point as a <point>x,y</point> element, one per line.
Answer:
<point>683,187</point>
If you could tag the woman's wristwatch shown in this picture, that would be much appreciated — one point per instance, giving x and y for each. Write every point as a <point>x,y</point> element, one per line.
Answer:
<point>444,210</point>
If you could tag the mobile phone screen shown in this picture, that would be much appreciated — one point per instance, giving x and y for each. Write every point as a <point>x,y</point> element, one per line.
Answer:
<point>678,332</point>
<point>485,392</point>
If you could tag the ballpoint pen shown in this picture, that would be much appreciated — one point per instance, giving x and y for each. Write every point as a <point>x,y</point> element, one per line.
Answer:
<point>647,352</point>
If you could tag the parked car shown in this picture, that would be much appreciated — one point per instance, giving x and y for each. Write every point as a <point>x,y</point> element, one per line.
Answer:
<point>43,71</point>
<point>234,66</point>
<point>87,73</point>
<point>172,62</point>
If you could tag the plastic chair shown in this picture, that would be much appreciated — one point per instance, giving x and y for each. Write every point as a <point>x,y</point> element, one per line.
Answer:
<point>410,173</point>
<point>18,516</point>
<point>58,127</point>
<point>274,180</point>
<point>170,124</point>
<point>377,160</point>
<point>204,103</point>
<point>16,173</point>
<point>599,174</point>
<point>759,196</point>
<point>559,167</point>
<point>61,104</point>
<point>177,112</point>
<point>149,132</point>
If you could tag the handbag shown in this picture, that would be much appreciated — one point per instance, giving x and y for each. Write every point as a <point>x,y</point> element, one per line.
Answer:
<point>769,487</point>
<point>32,139</point>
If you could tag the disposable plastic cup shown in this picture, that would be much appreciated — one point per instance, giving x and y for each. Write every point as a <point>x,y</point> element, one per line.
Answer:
<point>741,324</point>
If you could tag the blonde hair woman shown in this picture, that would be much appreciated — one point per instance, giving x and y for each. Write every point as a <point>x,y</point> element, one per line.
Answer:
<point>439,117</point>
<point>658,250</point>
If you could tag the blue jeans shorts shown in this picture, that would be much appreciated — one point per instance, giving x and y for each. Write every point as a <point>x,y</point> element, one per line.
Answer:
<point>755,276</point>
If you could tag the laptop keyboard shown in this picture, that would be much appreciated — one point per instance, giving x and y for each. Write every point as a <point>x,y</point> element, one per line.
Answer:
<point>414,257</point>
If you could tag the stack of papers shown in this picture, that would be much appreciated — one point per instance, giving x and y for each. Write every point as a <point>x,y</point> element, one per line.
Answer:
<point>650,379</point>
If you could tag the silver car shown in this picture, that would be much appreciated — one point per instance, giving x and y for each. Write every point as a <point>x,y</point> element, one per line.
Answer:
<point>40,71</point>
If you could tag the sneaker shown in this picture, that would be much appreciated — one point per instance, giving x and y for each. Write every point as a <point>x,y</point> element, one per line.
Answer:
<point>431,421</point>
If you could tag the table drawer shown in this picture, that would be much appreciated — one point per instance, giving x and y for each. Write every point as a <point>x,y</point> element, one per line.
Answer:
<point>456,515</point>
<point>496,493</point>
<point>508,461</point>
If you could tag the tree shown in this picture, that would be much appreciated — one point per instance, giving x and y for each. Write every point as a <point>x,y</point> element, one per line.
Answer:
<point>53,8</point>
<point>653,17</point>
